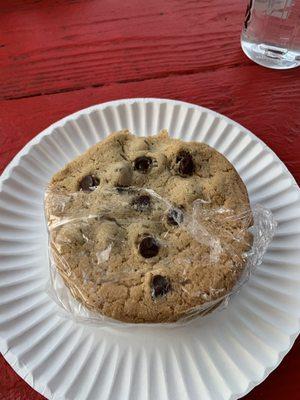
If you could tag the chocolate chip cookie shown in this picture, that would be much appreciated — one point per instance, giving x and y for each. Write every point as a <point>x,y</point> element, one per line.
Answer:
<point>148,229</point>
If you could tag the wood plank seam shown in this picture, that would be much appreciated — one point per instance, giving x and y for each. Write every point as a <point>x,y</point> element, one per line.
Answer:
<point>124,81</point>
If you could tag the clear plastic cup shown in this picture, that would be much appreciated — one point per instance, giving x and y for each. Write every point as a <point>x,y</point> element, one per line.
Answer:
<point>271,33</point>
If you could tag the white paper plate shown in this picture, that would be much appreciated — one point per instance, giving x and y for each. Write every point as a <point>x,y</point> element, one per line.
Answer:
<point>220,357</point>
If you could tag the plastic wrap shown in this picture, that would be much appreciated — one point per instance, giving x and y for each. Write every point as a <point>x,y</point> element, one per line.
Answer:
<point>87,239</point>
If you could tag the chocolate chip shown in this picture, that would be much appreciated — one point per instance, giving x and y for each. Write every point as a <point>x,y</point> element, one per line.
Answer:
<point>142,164</point>
<point>175,216</point>
<point>124,189</point>
<point>160,286</point>
<point>121,189</point>
<point>185,163</point>
<point>148,247</point>
<point>88,183</point>
<point>141,203</point>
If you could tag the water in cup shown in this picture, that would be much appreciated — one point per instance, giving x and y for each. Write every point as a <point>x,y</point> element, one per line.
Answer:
<point>271,33</point>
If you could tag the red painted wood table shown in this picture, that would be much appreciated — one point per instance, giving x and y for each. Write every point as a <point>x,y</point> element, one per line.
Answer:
<point>58,56</point>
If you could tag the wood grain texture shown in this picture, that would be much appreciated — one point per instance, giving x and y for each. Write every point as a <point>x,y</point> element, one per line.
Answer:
<point>260,106</point>
<point>55,46</point>
<point>58,56</point>
<point>12,387</point>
